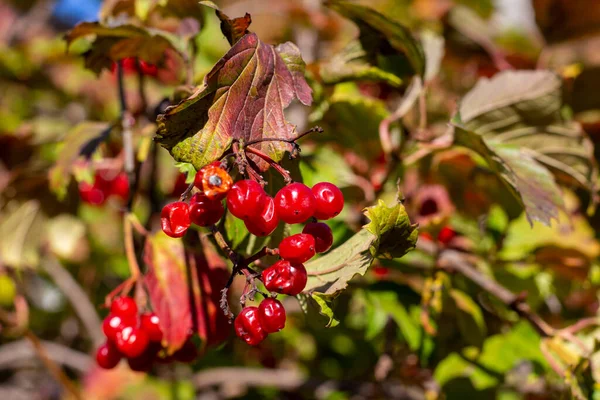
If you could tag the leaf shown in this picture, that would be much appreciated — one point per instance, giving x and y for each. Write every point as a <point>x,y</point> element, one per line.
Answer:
<point>470,318</point>
<point>242,97</point>
<point>380,35</point>
<point>21,230</point>
<point>318,308</point>
<point>113,42</point>
<point>433,47</point>
<point>233,29</point>
<point>523,108</point>
<point>351,64</point>
<point>170,269</point>
<point>529,182</point>
<point>389,234</point>
<point>76,140</point>
<point>389,303</point>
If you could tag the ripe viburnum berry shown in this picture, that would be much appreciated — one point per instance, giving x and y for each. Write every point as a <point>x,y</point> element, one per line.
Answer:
<point>125,308</point>
<point>329,200</point>
<point>246,199</point>
<point>213,181</point>
<point>322,234</point>
<point>175,219</point>
<point>151,324</point>
<point>264,223</point>
<point>120,186</point>
<point>114,324</point>
<point>132,341</point>
<point>205,212</point>
<point>92,193</point>
<point>295,203</point>
<point>271,315</point>
<point>297,248</point>
<point>285,277</point>
<point>248,327</point>
<point>446,235</point>
<point>108,356</point>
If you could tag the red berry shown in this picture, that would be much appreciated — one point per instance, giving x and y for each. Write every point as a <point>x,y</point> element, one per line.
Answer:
<point>329,200</point>
<point>179,186</point>
<point>132,341</point>
<point>263,224</point>
<point>187,353</point>
<point>297,248</point>
<point>213,181</point>
<point>248,327</point>
<point>285,277</point>
<point>120,186</point>
<point>205,212</point>
<point>92,194</point>
<point>271,315</point>
<point>446,235</point>
<point>295,203</point>
<point>322,234</point>
<point>246,199</point>
<point>151,324</point>
<point>175,219</point>
<point>148,69</point>
<point>143,362</point>
<point>381,272</point>
<point>114,324</point>
<point>426,236</point>
<point>125,308</point>
<point>107,356</point>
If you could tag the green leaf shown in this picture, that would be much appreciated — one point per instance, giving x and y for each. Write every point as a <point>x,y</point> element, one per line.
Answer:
<point>389,303</point>
<point>21,232</point>
<point>242,97</point>
<point>318,309</point>
<point>389,234</point>
<point>395,235</point>
<point>113,42</point>
<point>74,141</point>
<point>523,109</point>
<point>470,318</point>
<point>351,64</point>
<point>529,182</point>
<point>381,36</point>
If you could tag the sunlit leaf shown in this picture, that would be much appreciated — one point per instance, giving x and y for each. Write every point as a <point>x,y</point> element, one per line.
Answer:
<point>243,97</point>
<point>470,318</point>
<point>21,230</point>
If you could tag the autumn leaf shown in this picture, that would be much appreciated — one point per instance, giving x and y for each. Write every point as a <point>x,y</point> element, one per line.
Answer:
<point>182,307</point>
<point>242,97</point>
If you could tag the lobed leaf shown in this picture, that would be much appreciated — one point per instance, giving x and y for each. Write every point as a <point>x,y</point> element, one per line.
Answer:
<point>242,97</point>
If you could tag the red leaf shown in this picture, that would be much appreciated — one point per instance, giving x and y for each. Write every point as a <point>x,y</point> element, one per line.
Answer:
<point>168,284</point>
<point>243,96</point>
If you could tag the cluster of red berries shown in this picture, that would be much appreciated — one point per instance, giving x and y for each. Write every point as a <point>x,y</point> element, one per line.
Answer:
<point>444,236</point>
<point>136,337</point>
<point>130,67</point>
<point>104,186</point>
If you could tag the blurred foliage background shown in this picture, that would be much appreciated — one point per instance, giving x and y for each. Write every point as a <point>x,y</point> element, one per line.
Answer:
<point>411,328</point>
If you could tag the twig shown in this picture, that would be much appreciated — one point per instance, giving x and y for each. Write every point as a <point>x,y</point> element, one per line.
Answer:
<point>84,309</point>
<point>456,261</point>
<point>54,369</point>
<point>15,352</point>
<point>126,125</point>
<point>265,251</point>
<point>285,173</point>
<point>315,129</point>
<point>280,378</point>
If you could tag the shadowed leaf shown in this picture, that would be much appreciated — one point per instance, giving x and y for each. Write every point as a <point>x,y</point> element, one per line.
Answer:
<point>470,318</point>
<point>243,97</point>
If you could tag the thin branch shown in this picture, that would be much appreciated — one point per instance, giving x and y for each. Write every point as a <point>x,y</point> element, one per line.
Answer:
<point>280,378</point>
<point>79,300</point>
<point>127,122</point>
<point>54,369</point>
<point>14,353</point>
<point>265,251</point>
<point>285,173</point>
<point>455,261</point>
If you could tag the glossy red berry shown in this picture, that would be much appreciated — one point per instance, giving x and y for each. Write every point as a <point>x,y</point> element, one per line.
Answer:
<point>329,200</point>
<point>107,356</point>
<point>297,248</point>
<point>151,324</point>
<point>205,212</point>
<point>285,277</point>
<point>263,224</point>
<point>187,353</point>
<point>113,324</point>
<point>144,362</point>
<point>322,234</point>
<point>175,219</point>
<point>246,199</point>
<point>125,308</point>
<point>120,186</point>
<point>132,341</point>
<point>295,203</point>
<point>248,327</point>
<point>92,193</point>
<point>271,315</point>
<point>446,235</point>
<point>213,181</point>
